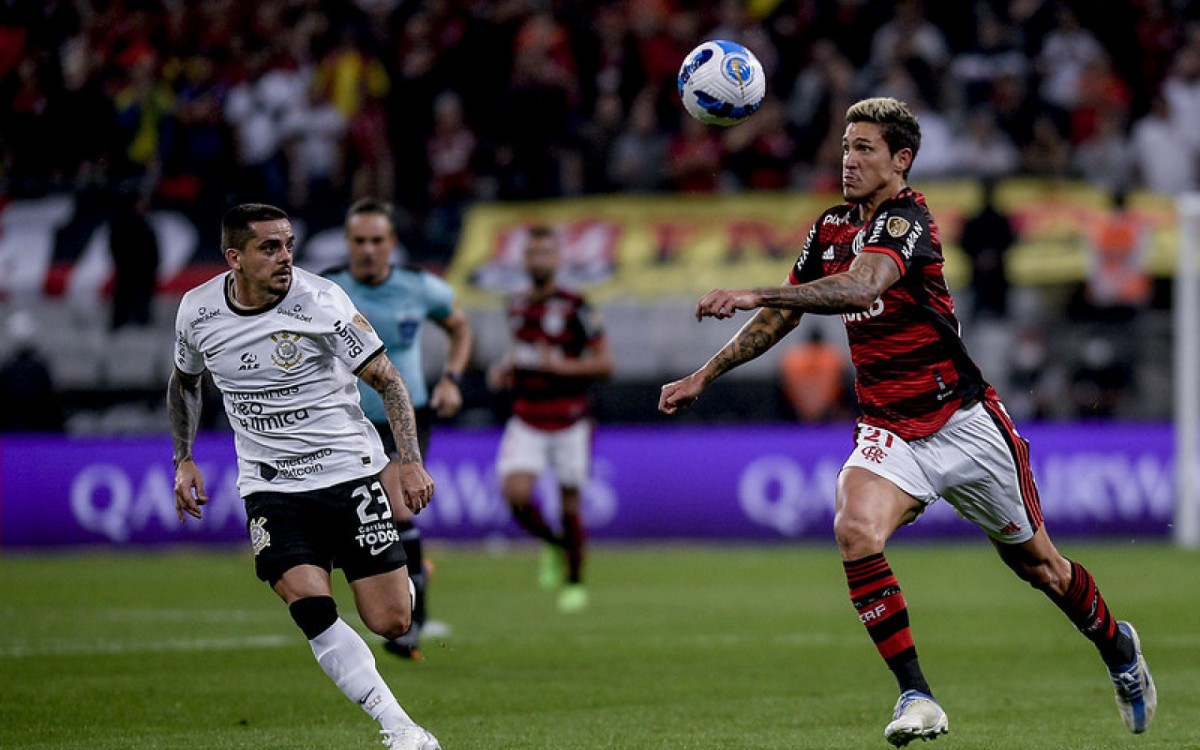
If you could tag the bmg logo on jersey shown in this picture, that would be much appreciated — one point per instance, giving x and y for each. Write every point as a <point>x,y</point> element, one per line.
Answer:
<point>354,347</point>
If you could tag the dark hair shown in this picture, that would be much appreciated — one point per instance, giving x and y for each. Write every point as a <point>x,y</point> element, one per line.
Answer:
<point>541,231</point>
<point>372,206</point>
<point>235,224</point>
<point>900,129</point>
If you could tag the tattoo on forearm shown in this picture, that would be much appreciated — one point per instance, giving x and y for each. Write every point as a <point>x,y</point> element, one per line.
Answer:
<point>382,375</point>
<point>759,334</point>
<point>833,294</point>
<point>401,418</point>
<point>183,413</point>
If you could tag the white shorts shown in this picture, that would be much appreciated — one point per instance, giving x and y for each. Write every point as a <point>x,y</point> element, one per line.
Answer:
<point>527,450</point>
<point>976,461</point>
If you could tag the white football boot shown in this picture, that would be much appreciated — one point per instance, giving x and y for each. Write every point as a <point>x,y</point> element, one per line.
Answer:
<point>410,738</point>
<point>917,715</point>
<point>1136,696</point>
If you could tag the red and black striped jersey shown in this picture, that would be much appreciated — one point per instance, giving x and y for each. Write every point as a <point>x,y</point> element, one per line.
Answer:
<point>912,368</point>
<point>564,321</point>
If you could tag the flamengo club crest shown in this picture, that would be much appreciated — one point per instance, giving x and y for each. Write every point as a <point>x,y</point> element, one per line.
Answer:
<point>287,350</point>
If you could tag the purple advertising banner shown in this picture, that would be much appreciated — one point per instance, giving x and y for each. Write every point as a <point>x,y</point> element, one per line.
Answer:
<point>746,483</point>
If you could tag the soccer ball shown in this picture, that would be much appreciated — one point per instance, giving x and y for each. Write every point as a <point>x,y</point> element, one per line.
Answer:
<point>721,83</point>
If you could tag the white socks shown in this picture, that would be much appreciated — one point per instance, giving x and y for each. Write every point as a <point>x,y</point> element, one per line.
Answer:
<point>348,661</point>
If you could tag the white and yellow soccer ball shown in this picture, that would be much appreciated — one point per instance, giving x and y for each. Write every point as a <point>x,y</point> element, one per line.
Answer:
<point>721,83</point>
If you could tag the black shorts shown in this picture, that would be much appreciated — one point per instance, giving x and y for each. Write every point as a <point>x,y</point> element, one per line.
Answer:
<point>349,526</point>
<point>424,419</point>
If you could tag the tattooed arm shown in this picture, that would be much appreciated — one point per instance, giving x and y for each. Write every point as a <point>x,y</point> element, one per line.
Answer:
<point>183,414</point>
<point>759,334</point>
<point>853,290</point>
<point>415,483</point>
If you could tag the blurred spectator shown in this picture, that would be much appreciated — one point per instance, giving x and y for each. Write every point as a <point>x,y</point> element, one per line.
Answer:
<point>759,153</point>
<point>196,148</point>
<point>938,148</point>
<point>1105,158</point>
<point>143,107</point>
<point>608,58</point>
<point>357,83</point>
<point>814,377</point>
<point>1157,30</point>
<point>1181,90</point>
<point>1030,394</point>
<point>313,134</point>
<point>29,401</point>
<point>1117,280</point>
<point>135,256</point>
<point>821,86</point>
<point>983,150</point>
<point>1066,51</point>
<point>1168,171</point>
<point>1048,152</point>
<point>255,109</point>
<point>639,154</point>
<point>1102,376</point>
<point>911,41</point>
<point>451,153</point>
<point>536,114</point>
<point>992,56</point>
<point>1014,107</point>
<point>1102,95</point>
<point>596,138</point>
<point>986,239</point>
<point>694,158</point>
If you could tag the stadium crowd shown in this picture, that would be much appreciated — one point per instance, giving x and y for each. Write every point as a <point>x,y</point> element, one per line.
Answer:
<point>308,103</point>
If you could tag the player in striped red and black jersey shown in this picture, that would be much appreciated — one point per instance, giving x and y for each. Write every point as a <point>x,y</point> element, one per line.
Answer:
<point>558,350</point>
<point>930,426</point>
<point>912,369</point>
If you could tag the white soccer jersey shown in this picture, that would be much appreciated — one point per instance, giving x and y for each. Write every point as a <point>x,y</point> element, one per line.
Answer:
<point>288,377</point>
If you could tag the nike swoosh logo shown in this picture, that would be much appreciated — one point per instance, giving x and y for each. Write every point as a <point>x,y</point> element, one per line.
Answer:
<point>376,550</point>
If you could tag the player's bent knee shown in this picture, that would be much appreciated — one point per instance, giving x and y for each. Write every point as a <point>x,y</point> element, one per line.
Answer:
<point>857,538</point>
<point>314,614</point>
<point>391,623</point>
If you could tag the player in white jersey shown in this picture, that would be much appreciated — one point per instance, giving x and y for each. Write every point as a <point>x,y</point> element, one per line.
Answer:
<point>284,347</point>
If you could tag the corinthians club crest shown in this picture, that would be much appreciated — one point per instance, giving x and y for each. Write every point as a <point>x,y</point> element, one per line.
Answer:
<point>287,352</point>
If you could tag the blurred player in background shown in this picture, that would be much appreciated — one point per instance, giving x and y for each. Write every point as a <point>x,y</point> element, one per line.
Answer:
<point>930,426</point>
<point>558,350</point>
<point>284,347</point>
<point>398,300</point>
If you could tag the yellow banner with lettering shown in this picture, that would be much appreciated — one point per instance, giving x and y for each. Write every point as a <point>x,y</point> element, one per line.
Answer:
<point>652,247</point>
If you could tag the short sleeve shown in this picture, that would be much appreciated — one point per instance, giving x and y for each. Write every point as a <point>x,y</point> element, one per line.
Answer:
<point>808,265</point>
<point>188,359</point>
<point>353,340</point>
<point>591,321</point>
<point>902,233</point>
<point>439,296</point>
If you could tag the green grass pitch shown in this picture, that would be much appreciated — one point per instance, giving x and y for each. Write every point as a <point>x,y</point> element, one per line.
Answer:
<point>684,647</point>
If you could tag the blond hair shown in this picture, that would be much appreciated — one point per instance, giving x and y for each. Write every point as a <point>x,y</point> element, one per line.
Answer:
<point>900,129</point>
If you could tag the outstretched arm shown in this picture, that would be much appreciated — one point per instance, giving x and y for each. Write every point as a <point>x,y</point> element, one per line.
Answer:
<point>415,482</point>
<point>853,290</point>
<point>759,334</point>
<point>183,413</point>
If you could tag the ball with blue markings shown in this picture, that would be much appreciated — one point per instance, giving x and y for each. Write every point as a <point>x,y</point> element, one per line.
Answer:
<point>721,83</point>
